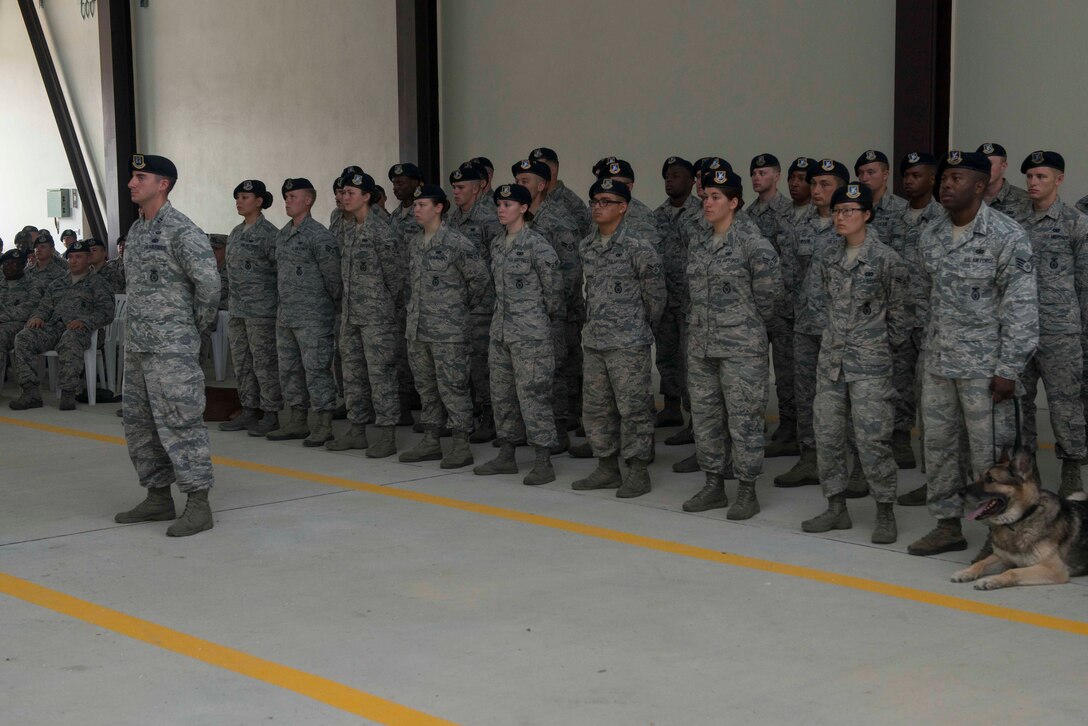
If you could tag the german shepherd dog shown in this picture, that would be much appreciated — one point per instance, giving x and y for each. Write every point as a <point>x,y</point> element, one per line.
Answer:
<point>1038,539</point>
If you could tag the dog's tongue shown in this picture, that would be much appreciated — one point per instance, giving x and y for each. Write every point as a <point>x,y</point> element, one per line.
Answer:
<point>974,515</point>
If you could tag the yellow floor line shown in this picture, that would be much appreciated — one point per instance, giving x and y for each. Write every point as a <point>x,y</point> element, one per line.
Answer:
<point>320,689</point>
<point>926,597</point>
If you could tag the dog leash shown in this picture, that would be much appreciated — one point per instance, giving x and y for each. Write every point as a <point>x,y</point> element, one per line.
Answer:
<point>993,426</point>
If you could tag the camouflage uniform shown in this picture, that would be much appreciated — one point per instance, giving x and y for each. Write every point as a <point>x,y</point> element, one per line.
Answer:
<point>734,281</point>
<point>1011,200</point>
<point>18,299</point>
<point>173,294</point>
<point>904,241</point>
<point>309,288</point>
<point>447,279</point>
<point>556,226</point>
<point>625,296</point>
<point>867,319</point>
<point>886,215</point>
<point>251,330</point>
<point>982,322</point>
<point>576,208</point>
<point>405,226</point>
<point>63,301</point>
<point>480,226</point>
<point>373,271</point>
<point>528,296</point>
<point>1082,204</point>
<point>113,272</point>
<point>1059,240</point>
<point>772,218</point>
<point>42,277</point>
<point>668,337</point>
<point>815,236</point>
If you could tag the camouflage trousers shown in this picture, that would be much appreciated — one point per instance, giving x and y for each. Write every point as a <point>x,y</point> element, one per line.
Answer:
<point>305,359</point>
<point>441,372</point>
<point>806,355</point>
<point>405,381</point>
<point>480,338</point>
<point>70,346</point>
<point>163,415</point>
<point>867,406</point>
<point>954,409</point>
<point>728,401</point>
<point>521,381</point>
<point>1058,362</point>
<point>8,331</point>
<point>573,367</point>
<point>669,357</point>
<point>780,333</point>
<point>904,366</point>
<point>369,354</point>
<point>560,393</point>
<point>256,364</point>
<point>616,408</point>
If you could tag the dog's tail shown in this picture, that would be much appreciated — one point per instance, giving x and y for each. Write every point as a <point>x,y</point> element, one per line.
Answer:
<point>1078,497</point>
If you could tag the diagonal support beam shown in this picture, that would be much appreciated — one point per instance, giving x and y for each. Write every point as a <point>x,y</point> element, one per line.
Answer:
<point>65,125</point>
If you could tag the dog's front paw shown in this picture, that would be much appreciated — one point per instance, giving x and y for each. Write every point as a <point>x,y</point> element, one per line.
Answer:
<point>990,583</point>
<point>965,575</point>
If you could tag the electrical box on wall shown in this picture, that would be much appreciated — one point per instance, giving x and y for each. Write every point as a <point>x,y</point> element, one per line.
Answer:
<point>59,203</point>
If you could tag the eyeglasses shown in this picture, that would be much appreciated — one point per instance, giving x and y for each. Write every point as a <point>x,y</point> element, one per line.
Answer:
<point>847,212</point>
<point>603,202</point>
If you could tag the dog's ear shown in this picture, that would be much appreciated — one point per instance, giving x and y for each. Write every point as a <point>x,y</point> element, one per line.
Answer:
<point>1004,458</point>
<point>1021,463</point>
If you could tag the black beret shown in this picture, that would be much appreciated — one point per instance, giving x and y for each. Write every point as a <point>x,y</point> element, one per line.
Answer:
<point>853,192</point>
<point>514,193</point>
<point>290,185</point>
<point>92,242</point>
<point>468,172</point>
<point>610,186</point>
<point>762,161</point>
<point>917,158</point>
<point>14,254</point>
<point>153,165</point>
<point>617,167</point>
<point>676,161</point>
<point>525,166</point>
<point>360,180</point>
<point>543,153</point>
<point>829,167</point>
<point>721,179</point>
<point>869,157</point>
<point>257,188</point>
<point>955,159</point>
<point>353,169</point>
<point>430,191</point>
<point>483,161</point>
<point>379,190</point>
<point>802,164</point>
<point>43,239</point>
<point>68,233</point>
<point>711,163</point>
<point>77,246</point>
<point>601,164</point>
<point>992,149</point>
<point>1043,158</point>
<point>407,169</point>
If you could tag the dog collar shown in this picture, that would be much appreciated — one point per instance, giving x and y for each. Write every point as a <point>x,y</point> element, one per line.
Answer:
<point>1027,513</point>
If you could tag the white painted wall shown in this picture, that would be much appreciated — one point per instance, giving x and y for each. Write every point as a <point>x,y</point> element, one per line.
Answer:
<point>265,89</point>
<point>644,79</point>
<point>31,154</point>
<point>1017,80</point>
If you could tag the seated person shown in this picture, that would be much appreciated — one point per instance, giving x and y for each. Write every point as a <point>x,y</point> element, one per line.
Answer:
<point>45,266</point>
<point>19,295</point>
<point>72,307</point>
<point>114,270</point>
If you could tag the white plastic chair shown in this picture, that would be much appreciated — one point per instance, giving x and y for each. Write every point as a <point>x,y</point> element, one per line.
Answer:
<point>91,370</point>
<point>220,347</point>
<point>113,344</point>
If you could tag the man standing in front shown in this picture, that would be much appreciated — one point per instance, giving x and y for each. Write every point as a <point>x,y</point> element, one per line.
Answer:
<point>173,294</point>
<point>983,326</point>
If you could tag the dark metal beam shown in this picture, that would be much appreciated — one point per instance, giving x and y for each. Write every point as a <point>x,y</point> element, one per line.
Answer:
<point>118,112</point>
<point>63,117</point>
<point>417,84</point>
<point>923,72</point>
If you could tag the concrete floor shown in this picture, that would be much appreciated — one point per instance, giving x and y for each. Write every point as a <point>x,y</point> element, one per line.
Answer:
<point>485,619</point>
